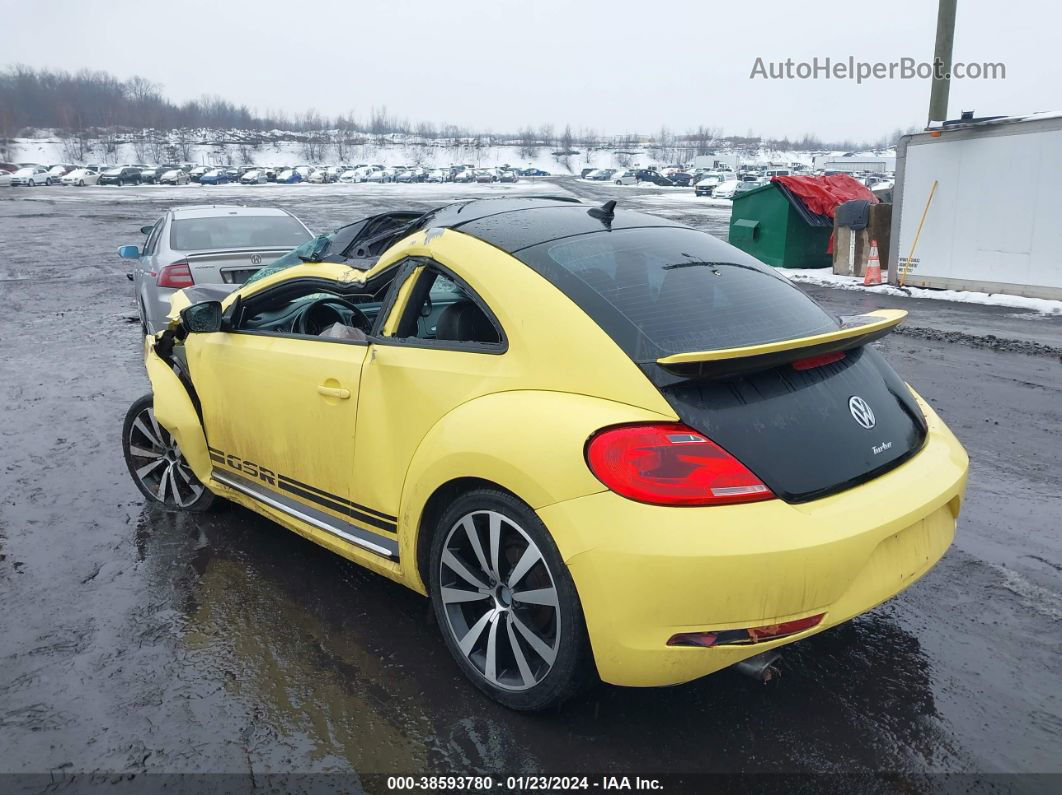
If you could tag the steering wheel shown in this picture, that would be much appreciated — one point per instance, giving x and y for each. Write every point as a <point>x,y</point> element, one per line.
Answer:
<point>321,314</point>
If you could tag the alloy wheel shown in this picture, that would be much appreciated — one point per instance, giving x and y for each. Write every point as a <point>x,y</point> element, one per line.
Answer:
<point>158,464</point>
<point>500,600</point>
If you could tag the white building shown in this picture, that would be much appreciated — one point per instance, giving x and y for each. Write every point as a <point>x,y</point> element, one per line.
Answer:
<point>992,224</point>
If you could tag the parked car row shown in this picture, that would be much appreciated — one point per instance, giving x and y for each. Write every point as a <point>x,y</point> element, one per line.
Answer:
<point>632,176</point>
<point>32,174</point>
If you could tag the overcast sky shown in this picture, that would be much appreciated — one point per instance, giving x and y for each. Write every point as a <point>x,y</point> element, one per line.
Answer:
<point>496,65</point>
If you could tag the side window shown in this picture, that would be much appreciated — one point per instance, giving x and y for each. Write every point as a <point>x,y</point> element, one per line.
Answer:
<point>444,311</point>
<point>311,308</point>
<point>153,237</point>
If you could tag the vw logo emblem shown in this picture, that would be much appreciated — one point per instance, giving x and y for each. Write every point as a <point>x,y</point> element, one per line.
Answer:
<point>861,411</point>
<point>256,259</point>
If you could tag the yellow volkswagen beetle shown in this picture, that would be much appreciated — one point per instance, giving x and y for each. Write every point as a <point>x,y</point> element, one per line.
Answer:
<point>599,441</point>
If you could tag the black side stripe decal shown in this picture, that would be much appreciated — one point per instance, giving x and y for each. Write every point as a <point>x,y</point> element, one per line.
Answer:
<point>333,505</point>
<point>334,502</point>
<point>386,516</point>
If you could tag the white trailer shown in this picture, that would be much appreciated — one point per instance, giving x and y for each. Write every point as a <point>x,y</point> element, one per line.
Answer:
<point>849,162</point>
<point>728,162</point>
<point>992,225</point>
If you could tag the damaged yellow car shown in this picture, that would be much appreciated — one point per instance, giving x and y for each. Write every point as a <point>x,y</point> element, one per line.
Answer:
<point>603,444</point>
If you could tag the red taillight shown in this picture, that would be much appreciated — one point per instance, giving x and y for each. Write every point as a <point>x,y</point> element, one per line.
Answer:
<point>772,631</point>
<point>744,637</point>
<point>670,464</point>
<point>176,275</point>
<point>818,361</point>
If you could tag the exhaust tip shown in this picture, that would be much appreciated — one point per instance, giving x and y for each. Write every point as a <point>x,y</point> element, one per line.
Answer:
<point>762,667</point>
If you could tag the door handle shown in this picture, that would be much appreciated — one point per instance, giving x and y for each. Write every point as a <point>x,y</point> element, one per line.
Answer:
<point>334,391</point>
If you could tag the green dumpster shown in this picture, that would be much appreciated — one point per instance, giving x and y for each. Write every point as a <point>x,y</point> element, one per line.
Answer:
<point>772,225</point>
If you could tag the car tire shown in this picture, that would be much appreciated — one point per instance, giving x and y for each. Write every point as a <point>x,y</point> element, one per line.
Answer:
<point>48,182</point>
<point>81,183</point>
<point>156,465</point>
<point>619,181</point>
<point>32,184</point>
<point>519,635</point>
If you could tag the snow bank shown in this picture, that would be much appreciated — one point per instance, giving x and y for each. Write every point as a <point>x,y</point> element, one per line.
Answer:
<point>824,278</point>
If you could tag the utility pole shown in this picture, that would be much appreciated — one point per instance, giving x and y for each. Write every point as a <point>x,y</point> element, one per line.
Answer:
<point>938,97</point>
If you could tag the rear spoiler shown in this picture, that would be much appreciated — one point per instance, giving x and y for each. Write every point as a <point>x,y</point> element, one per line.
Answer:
<point>855,330</point>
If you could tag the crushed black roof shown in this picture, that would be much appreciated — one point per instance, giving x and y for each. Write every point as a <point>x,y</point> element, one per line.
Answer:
<point>515,224</point>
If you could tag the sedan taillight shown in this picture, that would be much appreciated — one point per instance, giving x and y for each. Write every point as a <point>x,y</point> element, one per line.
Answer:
<point>176,275</point>
<point>671,464</point>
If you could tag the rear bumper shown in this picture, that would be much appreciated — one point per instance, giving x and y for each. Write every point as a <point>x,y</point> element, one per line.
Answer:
<point>645,573</point>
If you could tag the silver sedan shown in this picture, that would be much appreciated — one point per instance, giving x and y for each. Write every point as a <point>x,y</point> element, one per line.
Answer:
<point>205,245</point>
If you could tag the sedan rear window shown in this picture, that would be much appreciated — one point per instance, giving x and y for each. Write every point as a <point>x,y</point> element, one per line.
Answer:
<point>237,231</point>
<point>660,291</point>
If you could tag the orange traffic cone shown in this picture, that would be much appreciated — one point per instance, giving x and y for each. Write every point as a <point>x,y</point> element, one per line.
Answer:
<point>873,272</point>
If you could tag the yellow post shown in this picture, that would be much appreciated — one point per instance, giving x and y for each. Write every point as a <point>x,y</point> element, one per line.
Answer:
<point>918,232</point>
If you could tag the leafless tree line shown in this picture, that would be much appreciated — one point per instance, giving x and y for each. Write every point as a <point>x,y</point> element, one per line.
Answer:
<point>96,112</point>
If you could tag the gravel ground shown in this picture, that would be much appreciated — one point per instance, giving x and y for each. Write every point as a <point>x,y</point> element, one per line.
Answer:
<point>134,641</point>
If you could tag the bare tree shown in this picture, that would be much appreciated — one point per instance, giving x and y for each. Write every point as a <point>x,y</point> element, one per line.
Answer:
<point>314,139</point>
<point>140,149</point>
<point>157,146</point>
<point>109,142</point>
<point>589,142</point>
<point>527,139</point>
<point>184,141</point>
<point>76,146</point>
<point>341,145</point>
<point>426,131</point>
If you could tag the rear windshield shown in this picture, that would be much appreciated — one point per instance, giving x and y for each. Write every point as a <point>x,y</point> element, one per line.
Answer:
<point>659,291</point>
<point>237,231</point>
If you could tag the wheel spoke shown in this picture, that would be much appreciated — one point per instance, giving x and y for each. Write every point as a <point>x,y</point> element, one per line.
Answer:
<point>538,596</point>
<point>540,646</point>
<point>473,539</point>
<point>158,428</point>
<point>452,596</point>
<point>161,493</point>
<point>530,557</point>
<point>173,486</point>
<point>469,640</point>
<point>491,668</point>
<point>495,543</point>
<point>148,433</point>
<point>456,566</point>
<point>526,677</point>
<point>141,452</point>
<point>144,470</point>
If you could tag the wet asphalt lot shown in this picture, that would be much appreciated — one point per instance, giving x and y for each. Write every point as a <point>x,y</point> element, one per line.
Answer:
<point>134,641</point>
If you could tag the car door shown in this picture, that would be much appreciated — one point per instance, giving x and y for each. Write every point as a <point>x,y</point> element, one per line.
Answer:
<point>279,412</point>
<point>418,371</point>
<point>144,269</point>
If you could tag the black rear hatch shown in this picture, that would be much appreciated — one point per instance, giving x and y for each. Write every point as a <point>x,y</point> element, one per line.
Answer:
<point>806,431</point>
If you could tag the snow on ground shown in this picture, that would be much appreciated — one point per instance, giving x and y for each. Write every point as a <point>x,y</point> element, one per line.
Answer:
<point>824,278</point>
<point>661,196</point>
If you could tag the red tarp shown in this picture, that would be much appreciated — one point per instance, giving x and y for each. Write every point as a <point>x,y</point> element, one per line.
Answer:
<point>823,195</point>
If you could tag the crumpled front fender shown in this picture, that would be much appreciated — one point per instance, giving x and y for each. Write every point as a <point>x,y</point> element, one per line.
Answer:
<point>176,412</point>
